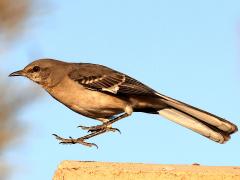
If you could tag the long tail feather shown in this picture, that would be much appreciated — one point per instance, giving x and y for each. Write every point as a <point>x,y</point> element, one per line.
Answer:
<point>202,122</point>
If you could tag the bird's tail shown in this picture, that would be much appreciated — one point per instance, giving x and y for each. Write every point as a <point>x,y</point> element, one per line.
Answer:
<point>202,122</point>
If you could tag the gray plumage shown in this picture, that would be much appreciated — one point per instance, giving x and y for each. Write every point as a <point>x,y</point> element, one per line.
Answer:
<point>107,95</point>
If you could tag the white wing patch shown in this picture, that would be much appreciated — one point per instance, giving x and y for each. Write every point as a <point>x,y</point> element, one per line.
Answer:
<point>114,89</point>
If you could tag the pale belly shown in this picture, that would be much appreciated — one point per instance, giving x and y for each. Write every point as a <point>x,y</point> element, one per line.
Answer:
<point>89,103</point>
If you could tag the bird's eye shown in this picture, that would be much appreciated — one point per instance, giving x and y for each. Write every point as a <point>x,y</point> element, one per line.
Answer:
<point>36,69</point>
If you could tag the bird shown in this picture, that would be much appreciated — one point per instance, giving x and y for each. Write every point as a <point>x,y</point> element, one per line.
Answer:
<point>107,95</point>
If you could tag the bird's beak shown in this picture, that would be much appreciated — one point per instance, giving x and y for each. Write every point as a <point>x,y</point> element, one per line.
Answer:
<point>17,73</point>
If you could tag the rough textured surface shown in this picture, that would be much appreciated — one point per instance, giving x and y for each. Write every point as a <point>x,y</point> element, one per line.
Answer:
<point>77,170</point>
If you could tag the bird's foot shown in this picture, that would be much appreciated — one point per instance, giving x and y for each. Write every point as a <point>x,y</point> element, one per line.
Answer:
<point>70,140</point>
<point>100,128</point>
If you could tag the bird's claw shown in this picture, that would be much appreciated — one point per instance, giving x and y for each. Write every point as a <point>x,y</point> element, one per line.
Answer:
<point>114,130</point>
<point>99,128</point>
<point>74,141</point>
<point>85,127</point>
<point>92,128</point>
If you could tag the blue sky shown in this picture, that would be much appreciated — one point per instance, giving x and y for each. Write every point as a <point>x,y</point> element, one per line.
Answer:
<point>188,50</point>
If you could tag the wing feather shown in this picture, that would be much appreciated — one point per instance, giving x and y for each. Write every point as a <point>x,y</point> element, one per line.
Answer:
<point>101,78</point>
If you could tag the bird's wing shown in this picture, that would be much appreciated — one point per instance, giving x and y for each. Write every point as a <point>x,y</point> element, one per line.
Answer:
<point>101,78</point>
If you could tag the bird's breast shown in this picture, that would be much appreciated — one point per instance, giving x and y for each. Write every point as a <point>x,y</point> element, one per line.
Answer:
<point>89,103</point>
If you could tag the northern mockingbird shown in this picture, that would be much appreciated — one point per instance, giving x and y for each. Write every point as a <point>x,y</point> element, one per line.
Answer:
<point>108,96</point>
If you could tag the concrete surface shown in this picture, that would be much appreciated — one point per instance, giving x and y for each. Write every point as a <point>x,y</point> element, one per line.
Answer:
<point>77,170</point>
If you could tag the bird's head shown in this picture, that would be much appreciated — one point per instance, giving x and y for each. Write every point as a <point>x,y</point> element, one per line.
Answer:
<point>42,71</point>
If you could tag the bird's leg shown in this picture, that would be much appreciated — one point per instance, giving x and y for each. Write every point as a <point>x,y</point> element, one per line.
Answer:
<point>116,119</point>
<point>107,125</point>
<point>95,131</point>
<point>70,140</point>
<point>80,140</point>
<point>100,127</point>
